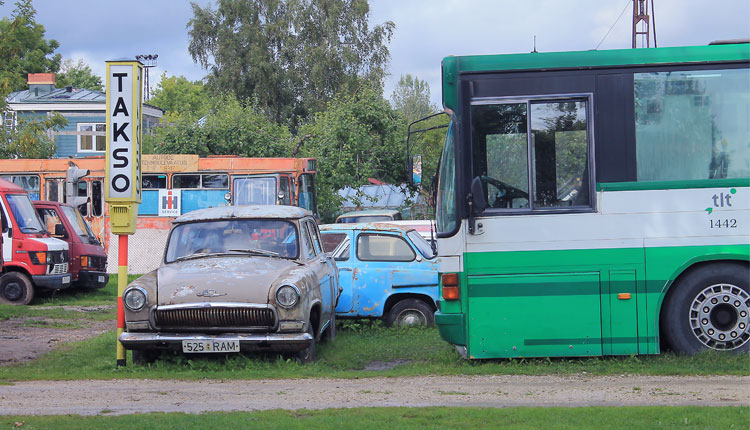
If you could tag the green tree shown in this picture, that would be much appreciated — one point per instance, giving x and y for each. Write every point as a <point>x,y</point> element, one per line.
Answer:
<point>31,138</point>
<point>358,137</point>
<point>78,75</point>
<point>178,96</point>
<point>231,127</point>
<point>23,49</point>
<point>411,97</point>
<point>292,56</point>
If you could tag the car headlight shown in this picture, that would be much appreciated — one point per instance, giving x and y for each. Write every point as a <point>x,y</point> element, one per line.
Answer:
<point>287,296</point>
<point>135,298</point>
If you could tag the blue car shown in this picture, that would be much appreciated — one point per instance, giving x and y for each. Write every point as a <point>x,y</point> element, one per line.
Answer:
<point>386,271</point>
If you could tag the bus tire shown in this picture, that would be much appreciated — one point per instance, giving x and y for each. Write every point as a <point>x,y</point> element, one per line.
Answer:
<point>410,312</point>
<point>709,309</point>
<point>16,289</point>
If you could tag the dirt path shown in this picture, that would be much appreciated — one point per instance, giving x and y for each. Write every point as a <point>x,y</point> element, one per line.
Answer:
<point>143,396</point>
<point>23,339</point>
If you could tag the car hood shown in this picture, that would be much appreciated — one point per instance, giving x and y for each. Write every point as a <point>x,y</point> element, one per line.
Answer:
<point>240,279</point>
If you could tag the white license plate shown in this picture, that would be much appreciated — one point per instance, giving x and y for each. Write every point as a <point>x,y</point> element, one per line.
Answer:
<point>222,345</point>
<point>100,279</point>
<point>66,280</point>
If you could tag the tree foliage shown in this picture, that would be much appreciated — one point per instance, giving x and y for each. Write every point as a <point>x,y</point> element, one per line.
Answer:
<point>411,97</point>
<point>357,137</point>
<point>231,127</point>
<point>293,56</point>
<point>23,49</point>
<point>180,97</point>
<point>32,137</point>
<point>78,75</point>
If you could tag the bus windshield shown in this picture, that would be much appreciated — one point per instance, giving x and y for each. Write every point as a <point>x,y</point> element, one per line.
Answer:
<point>446,212</point>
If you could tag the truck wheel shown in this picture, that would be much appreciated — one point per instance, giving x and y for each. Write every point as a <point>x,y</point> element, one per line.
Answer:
<point>308,355</point>
<point>709,309</point>
<point>16,289</point>
<point>144,356</point>
<point>410,312</point>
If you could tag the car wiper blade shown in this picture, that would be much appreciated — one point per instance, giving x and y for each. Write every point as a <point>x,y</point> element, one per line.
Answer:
<point>257,251</point>
<point>196,255</point>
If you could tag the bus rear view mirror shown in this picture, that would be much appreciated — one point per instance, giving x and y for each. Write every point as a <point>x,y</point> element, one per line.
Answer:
<point>478,202</point>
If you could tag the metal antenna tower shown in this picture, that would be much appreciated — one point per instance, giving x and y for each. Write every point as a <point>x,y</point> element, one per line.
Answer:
<point>643,23</point>
<point>148,62</point>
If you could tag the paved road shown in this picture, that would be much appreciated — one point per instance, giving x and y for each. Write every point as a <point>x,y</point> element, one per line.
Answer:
<point>142,396</point>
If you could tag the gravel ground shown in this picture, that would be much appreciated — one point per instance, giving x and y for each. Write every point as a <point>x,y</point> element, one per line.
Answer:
<point>143,396</point>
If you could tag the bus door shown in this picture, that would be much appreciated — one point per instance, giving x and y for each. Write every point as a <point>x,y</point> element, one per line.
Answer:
<point>540,275</point>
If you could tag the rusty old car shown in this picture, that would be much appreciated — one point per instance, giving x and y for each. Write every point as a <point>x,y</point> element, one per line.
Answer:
<point>235,278</point>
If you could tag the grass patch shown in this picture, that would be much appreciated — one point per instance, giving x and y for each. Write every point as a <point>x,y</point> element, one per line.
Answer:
<point>44,323</point>
<point>106,295</point>
<point>354,348</point>
<point>409,418</point>
<point>55,313</point>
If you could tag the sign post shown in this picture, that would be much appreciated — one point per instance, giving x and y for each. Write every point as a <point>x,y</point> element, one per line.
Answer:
<point>123,167</point>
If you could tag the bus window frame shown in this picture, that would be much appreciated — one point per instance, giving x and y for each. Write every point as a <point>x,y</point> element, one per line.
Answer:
<point>590,151</point>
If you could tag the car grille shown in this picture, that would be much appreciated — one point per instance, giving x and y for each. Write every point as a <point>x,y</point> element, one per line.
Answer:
<point>57,269</point>
<point>238,318</point>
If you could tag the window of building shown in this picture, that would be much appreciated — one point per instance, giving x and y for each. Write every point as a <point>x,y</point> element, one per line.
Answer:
<point>692,124</point>
<point>91,137</point>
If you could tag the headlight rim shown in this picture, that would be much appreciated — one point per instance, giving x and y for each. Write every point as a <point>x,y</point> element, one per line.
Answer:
<point>297,299</point>
<point>130,290</point>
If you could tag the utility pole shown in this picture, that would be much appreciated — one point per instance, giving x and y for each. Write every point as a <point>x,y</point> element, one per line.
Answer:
<point>643,24</point>
<point>148,61</point>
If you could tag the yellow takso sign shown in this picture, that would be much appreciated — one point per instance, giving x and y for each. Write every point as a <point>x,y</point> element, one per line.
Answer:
<point>124,110</point>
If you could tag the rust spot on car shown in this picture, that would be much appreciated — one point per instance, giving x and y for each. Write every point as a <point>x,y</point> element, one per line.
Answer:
<point>371,308</point>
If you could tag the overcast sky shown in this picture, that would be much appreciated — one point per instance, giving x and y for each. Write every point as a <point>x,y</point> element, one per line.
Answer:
<point>426,30</point>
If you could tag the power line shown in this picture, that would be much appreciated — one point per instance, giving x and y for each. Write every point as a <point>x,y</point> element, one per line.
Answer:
<point>613,25</point>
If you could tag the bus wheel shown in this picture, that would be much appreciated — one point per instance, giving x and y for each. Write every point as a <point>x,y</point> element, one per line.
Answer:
<point>16,289</point>
<point>410,312</point>
<point>709,309</point>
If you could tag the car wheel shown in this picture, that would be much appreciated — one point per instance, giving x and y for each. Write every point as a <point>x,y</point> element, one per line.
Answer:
<point>709,309</point>
<point>410,312</point>
<point>308,355</point>
<point>16,289</point>
<point>144,356</point>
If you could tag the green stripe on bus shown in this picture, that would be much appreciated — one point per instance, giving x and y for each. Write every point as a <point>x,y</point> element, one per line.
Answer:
<point>673,185</point>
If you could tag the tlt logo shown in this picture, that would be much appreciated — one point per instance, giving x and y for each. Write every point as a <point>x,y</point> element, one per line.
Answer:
<point>722,200</point>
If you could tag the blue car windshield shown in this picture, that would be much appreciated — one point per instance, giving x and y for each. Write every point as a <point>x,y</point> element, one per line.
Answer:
<point>422,245</point>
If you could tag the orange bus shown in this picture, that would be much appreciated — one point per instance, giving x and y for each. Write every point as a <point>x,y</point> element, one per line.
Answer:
<point>172,184</point>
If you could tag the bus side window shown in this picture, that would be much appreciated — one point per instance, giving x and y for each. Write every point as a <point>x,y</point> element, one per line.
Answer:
<point>96,198</point>
<point>52,190</point>
<point>83,191</point>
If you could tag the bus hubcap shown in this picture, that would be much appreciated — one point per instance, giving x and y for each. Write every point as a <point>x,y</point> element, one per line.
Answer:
<point>720,316</point>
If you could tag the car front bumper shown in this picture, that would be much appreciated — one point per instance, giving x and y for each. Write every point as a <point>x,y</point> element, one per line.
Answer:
<point>92,280</point>
<point>52,282</point>
<point>282,342</point>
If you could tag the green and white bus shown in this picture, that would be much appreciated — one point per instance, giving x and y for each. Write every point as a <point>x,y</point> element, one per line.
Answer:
<point>596,203</point>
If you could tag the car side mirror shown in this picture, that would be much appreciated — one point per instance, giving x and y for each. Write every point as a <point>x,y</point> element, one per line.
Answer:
<point>60,231</point>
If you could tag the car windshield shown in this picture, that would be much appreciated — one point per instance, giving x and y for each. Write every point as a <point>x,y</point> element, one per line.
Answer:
<point>271,238</point>
<point>80,226</point>
<point>24,213</point>
<point>422,245</point>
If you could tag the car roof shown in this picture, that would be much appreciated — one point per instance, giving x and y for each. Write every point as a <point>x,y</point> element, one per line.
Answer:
<point>371,226</point>
<point>366,212</point>
<point>248,211</point>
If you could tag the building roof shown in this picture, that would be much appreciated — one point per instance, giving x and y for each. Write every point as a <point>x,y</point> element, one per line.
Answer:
<point>58,95</point>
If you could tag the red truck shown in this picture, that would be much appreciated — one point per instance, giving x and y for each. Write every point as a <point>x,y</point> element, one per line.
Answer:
<point>88,260</point>
<point>32,259</point>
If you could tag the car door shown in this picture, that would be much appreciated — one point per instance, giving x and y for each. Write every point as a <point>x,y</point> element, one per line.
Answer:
<point>344,262</point>
<point>380,256</point>
<point>324,268</point>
